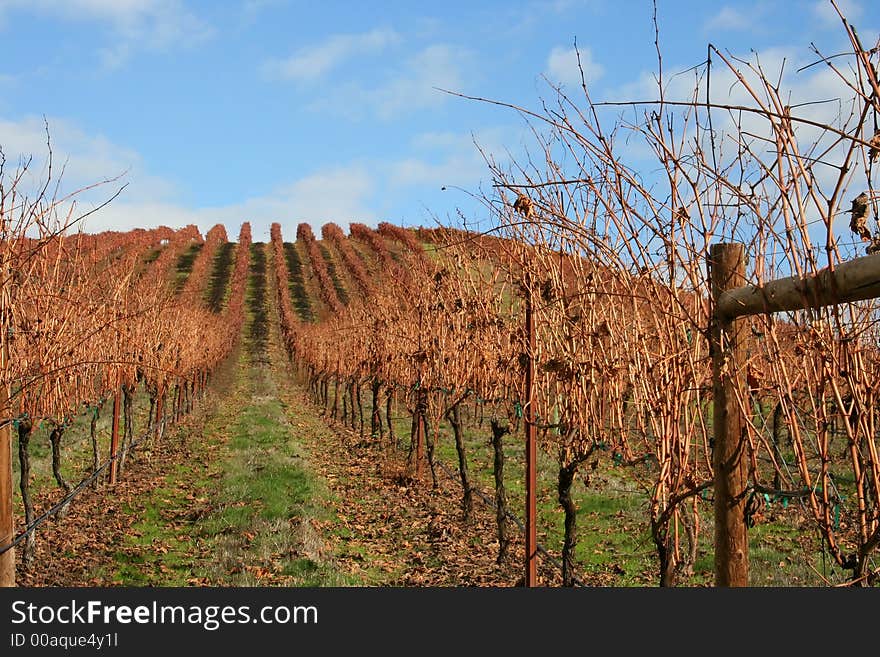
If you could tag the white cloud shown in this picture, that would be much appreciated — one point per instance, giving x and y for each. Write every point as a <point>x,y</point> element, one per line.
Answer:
<point>317,61</point>
<point>436,67</point>
<point>438,140</point>
<point>115,57</point>
<point>414,86</point>
<point>449,158</point>
<point>133,24</point>
<point>824,10</point>
<point>563,66</point>
<point>339,194</point>
<point>85,159</point>
<point>730,19</point>
<point>456,170</point>
<point>122,215</point>
<point>251,8</point>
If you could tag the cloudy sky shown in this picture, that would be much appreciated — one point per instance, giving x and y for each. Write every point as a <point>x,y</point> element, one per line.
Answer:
<point>292,111</point>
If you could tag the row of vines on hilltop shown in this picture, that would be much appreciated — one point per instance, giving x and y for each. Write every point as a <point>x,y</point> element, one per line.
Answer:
<point>326,288</point>
<point>333,233</point>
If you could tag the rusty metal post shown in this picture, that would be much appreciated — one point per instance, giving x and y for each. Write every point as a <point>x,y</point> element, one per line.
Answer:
<point>160,412</point>
<point>7,519</point>
<point>531,570</point>
<point>114,436</point>
<point>730,451</point>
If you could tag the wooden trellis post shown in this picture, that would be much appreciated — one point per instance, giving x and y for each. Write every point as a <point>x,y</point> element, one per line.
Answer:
<point>729,453</point>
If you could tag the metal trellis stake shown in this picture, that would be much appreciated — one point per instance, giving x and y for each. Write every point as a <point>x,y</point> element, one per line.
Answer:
<point>114,436</point>
<point>7,522</point>
<point>531,574</point>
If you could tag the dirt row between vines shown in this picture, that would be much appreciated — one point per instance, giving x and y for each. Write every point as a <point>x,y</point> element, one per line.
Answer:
<point>386,529</point>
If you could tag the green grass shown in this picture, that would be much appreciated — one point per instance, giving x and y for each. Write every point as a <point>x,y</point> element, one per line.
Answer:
<point>264,499</point>
<point>218,290</point>
<point>245,509</point>
<point>152,255</point>
<point>338,285</point>
<point>155,556</point>
<point>185,264</point>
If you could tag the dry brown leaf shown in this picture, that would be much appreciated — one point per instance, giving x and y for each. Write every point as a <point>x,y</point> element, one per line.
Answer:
<point>875,147</point>
<point>858,221</point>
<point>524,206</point>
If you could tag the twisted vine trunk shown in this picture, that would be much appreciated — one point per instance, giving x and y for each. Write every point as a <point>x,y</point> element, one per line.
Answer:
<point>778,421</point>
<point>467,499</point>
<point>418,432</point>
<point>429,449</point>
<point>692,530</point>
<point>55,440</point>
<point>334,411</point>
<point>25,427</point>
<point>177,405</point>
<point>128,414</point>
<point>500,494</point>
<point>389,401</point>
<point>161,401</point>
<point>414,439</point>
<point>151,422</point>
<point>352,406</point>
<point>375,418</point>
<point>313,384</point>
<point>660,536</point>
<point>565,481</point>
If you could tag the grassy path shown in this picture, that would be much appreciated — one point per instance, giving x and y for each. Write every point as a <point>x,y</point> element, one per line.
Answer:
<point>249,512</point>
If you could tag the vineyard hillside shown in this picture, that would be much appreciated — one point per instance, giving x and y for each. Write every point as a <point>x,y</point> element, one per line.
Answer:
<point>349,409</point>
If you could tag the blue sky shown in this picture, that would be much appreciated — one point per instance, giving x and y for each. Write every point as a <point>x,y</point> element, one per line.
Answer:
<point>288,111</point>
